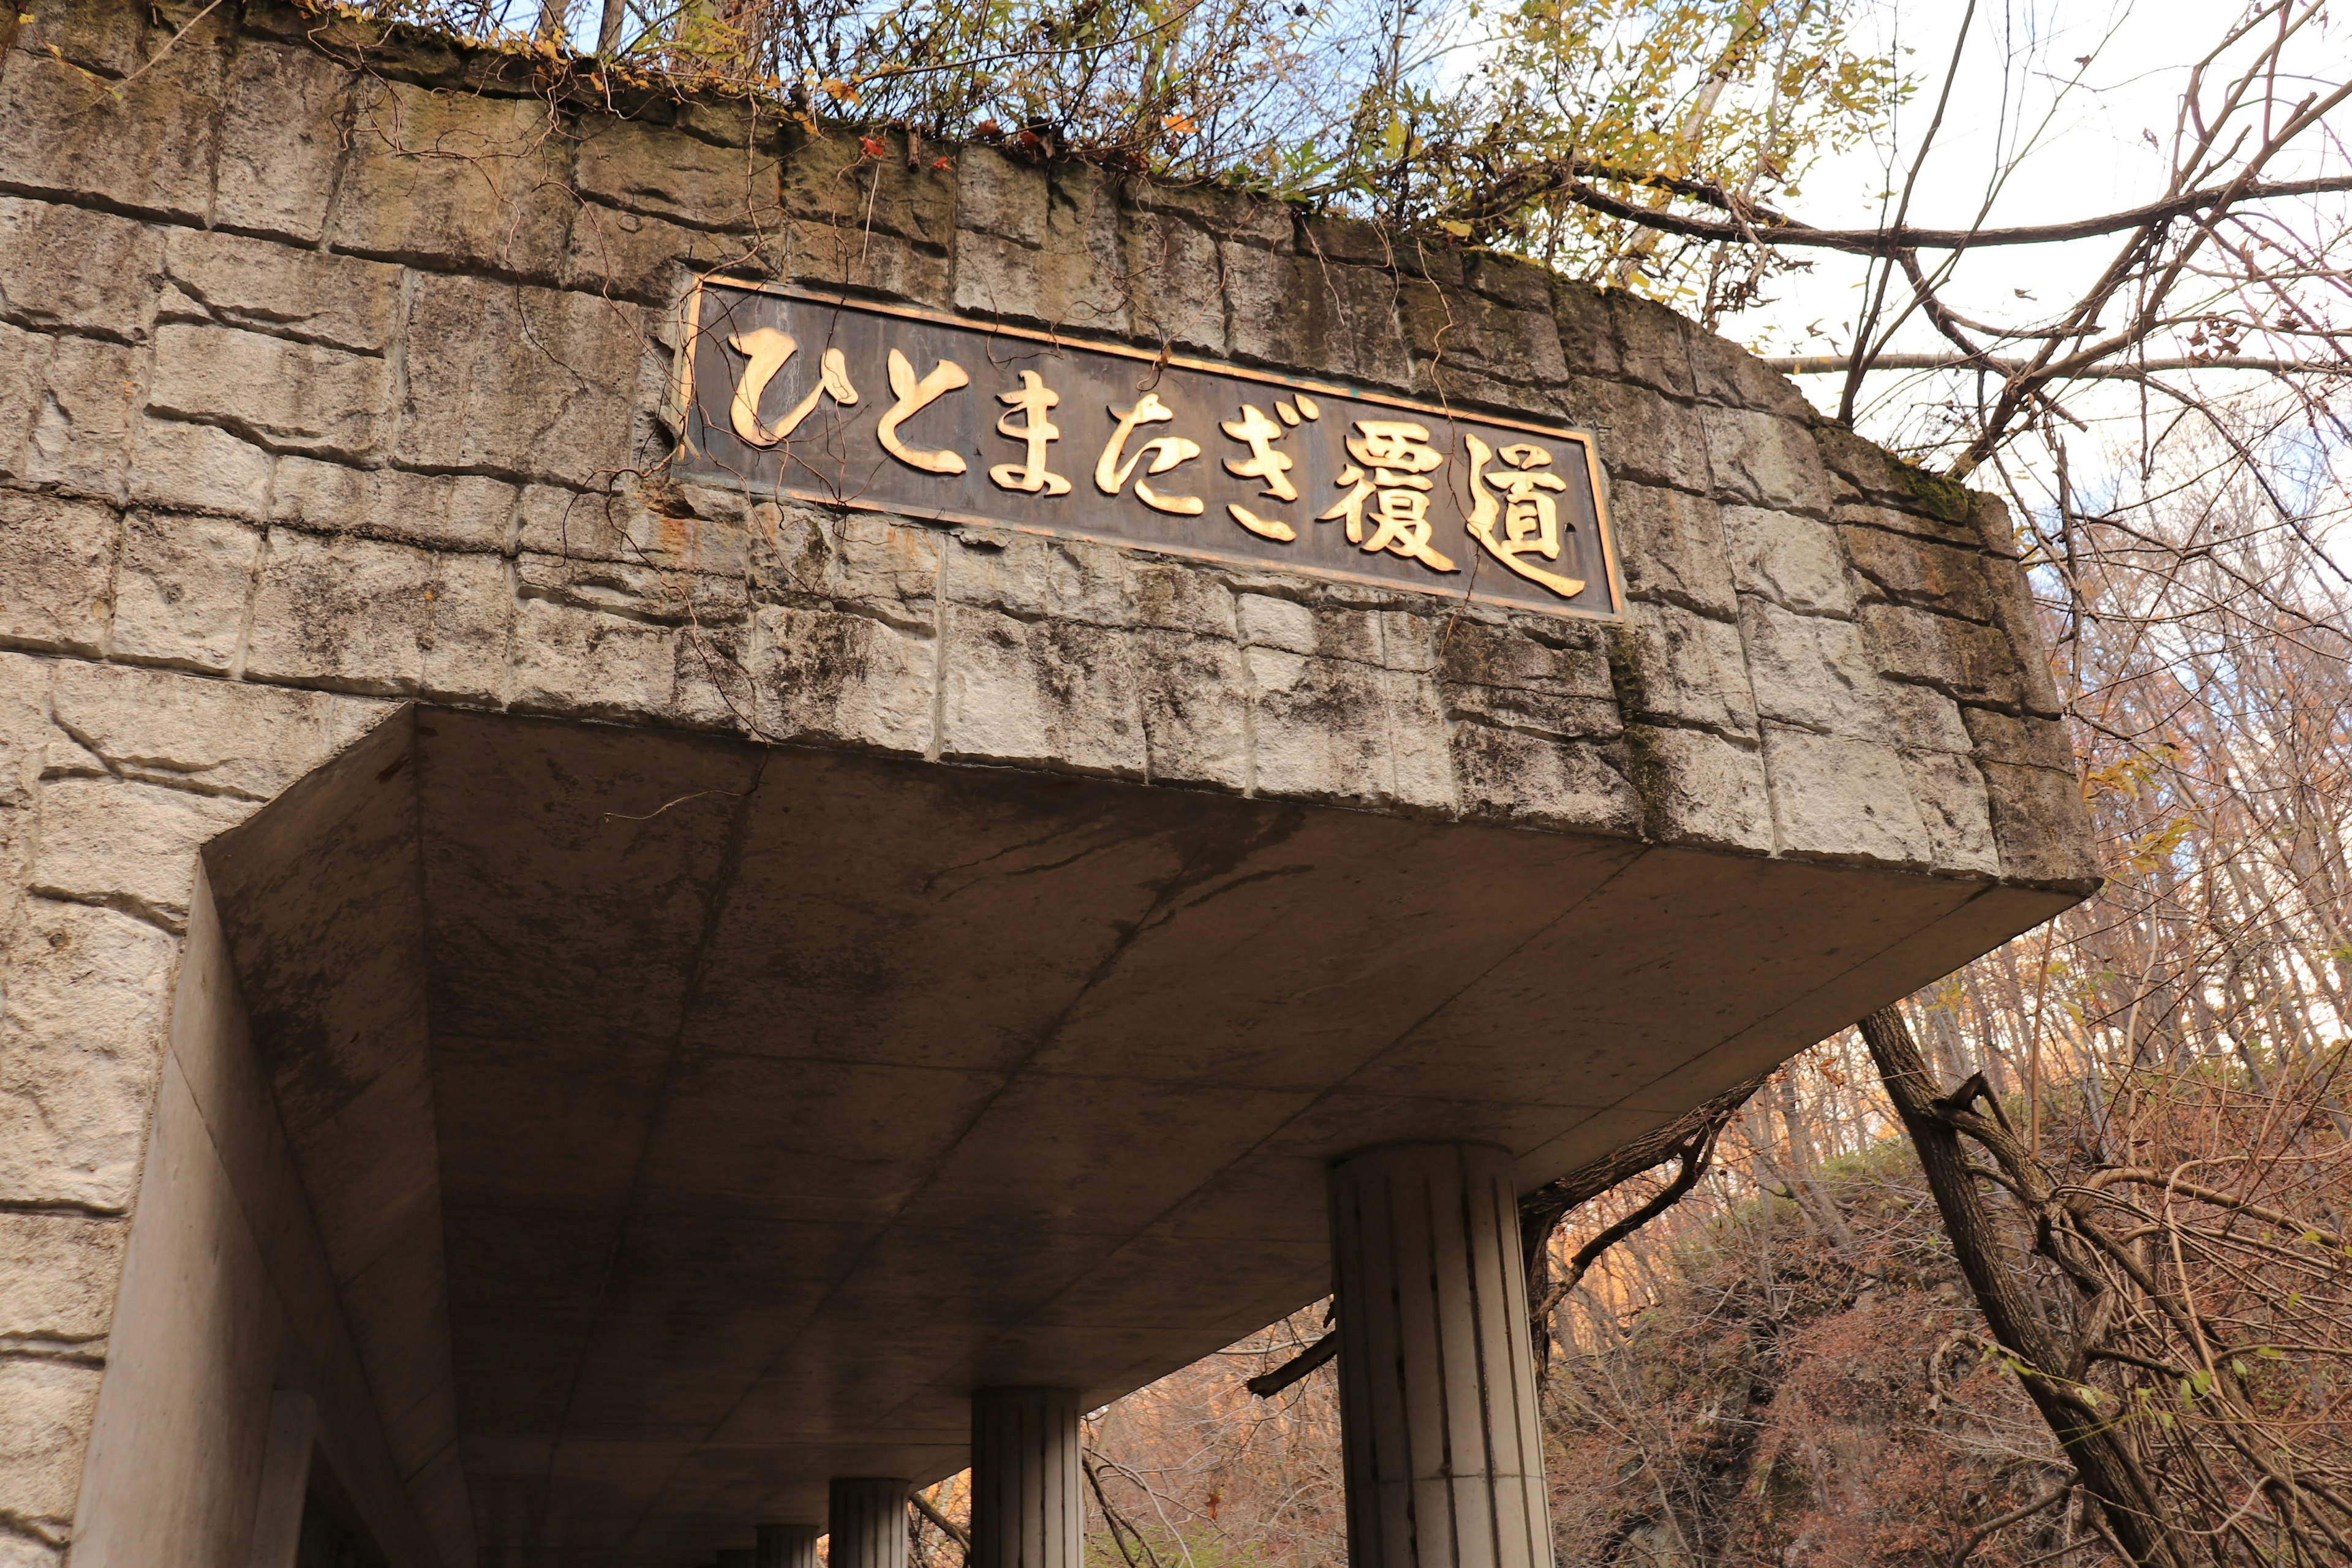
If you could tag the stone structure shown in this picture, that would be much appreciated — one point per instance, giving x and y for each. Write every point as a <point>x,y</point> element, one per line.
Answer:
<point>573,1009</point>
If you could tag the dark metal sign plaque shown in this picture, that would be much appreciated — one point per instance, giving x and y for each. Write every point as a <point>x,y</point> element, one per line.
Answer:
<point>935,418</point>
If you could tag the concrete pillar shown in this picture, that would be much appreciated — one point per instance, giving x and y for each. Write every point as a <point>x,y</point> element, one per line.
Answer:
<point>1437,1386</point>
<point>787,1546</point>
<point>868,1518</point>
<point>1028,1506</point>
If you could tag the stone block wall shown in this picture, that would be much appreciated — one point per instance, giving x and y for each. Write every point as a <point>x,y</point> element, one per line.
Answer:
<point>330,376</point>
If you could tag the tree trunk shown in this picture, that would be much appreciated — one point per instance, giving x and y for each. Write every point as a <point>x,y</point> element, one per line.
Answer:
<point>2048,1364</point>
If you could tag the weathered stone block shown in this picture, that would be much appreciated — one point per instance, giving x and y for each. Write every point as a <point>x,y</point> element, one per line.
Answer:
<point>1926,718</point>
<point>1507,774</point>
<point>1644,438</point>
<point>2019,620</point>
<point>1765,460</point>
<point>130,846</point>
<point>1035,578</point>
<point>1990,514</point>
<point>2041,824</point>
<point>518,381</point>
<point>1701,788</point>
<point>57,1275</point>
<point>1192,693</point>
<point>828,176</point>
<point>65,410</point>
<point>1057,693</point>
<point>1859,469</point>
<point>1423,256</point>
<point>638,167</point>
<point>181,594</point>
<point>82,1010</point>
<point>1790,560</point>
<point>843,678</point>
<point>1082,249</point>
<point>1909,570</point>
<point>25,735</point>
<point>1949,792</point>
<point>571,524</point>
<point>338,301</point>
<point>1227,214</point>
<point>278,145</point>
<point>1670,663</point>
<point>885,566</point>
<point>197,468</point>
<point>1867,475</point>
<point>1172,268</point>
<point>1539,713</point>
<point>810,252</point>
<point>364,614</point>
<point>1496,353</point>
<point>508,212</point>
<point>1000,280</point>
<point>29,1551</point>
<point>106,39</point>
<point>457,511</point>
<point>1670,546</point>
<point>70,267</point>
<point>1588,335</point>
<point>741,124</point>
<point>1811,672</point>
<point>633,256</point>
<point>57,571</point>
<point>236,739</point>
<point>1730,374</point>
<point>1962,658</point>
<point>1346,239</point>
<point>45,1409</point>
<point>650,645</point>
<point>1653,343</point>
<point>23,367</point>
<point>1335,730</point>
<point>1180,596</point>
<point>293,394</point>
<point>1305,313</point>
<point>2026,742</point>
<point>145,145</point>
<point>1570,666</point>
<point>1843,799</point>
<point>1264,620</point>
<point>1000,195</point>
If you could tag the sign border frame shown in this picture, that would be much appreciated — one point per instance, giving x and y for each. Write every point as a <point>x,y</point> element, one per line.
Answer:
<point>681,398</point>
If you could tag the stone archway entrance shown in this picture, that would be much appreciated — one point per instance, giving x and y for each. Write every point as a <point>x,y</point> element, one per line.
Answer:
<point>581,981</point>
<point>687,1125</point>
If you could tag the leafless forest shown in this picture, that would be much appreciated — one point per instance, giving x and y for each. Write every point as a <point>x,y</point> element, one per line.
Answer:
<point>2053,1264</point>
<point>1790,1367</point>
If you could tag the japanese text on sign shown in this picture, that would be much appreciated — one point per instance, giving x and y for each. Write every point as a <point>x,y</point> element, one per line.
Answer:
<point>935,418</point>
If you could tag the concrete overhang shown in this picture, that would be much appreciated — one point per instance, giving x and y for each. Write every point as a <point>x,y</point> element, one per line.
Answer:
<point>690,1120</point>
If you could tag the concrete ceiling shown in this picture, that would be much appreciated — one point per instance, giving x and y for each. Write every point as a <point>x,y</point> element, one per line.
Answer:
<point>691,1121</point>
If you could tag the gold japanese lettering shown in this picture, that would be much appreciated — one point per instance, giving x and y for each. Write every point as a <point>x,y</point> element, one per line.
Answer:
<point>766,352</point>
<point>1530,515</point>
<point>1032,400</point>
<point>1395,460</point>
<point>1259,434</point>
<point>1111,474</point>
<point>914,396</point>
<point>1255,430</point>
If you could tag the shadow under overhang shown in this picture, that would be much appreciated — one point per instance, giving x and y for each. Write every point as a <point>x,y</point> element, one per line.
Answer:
<point>690,1121</point>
